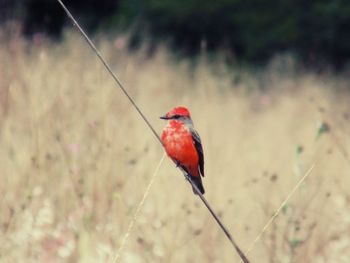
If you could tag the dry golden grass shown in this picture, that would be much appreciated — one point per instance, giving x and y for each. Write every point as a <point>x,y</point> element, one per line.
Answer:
<point>76,158</point>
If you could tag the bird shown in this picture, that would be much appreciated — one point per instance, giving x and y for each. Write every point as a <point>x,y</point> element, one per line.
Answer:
<point>183,145</point>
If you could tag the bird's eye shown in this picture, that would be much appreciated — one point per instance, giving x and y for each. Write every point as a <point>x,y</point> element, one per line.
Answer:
<point>176,116</point>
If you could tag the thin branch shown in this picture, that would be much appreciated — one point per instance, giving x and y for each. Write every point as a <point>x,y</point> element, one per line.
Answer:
<point>120,85</point>
<point>137,211</point>
<point>227,233</point>
<point>280,207</point>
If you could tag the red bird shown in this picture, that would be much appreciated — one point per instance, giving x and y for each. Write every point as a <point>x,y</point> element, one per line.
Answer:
<point>183,144</point>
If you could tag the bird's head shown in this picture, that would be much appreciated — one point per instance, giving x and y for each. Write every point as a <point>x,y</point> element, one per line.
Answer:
<point>177,113</point>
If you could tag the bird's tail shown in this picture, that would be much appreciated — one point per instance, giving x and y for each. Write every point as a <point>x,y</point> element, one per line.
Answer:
<point>197,180</point>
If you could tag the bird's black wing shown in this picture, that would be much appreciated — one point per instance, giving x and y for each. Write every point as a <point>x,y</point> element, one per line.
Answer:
<point>199,148</point>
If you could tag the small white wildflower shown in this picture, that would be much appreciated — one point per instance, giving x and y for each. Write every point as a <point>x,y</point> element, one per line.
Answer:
<point>158,250</point>
<point>157,224</point>
<point>45,215</point>
<point>66,250</point>
<point>340,201</point>
<point>37,234</point>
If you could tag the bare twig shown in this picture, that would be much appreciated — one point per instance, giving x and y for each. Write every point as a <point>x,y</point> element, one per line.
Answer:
<point>120,85</point>
<point>137,211</point>
<point>227,233</point>
<point>280,207</point>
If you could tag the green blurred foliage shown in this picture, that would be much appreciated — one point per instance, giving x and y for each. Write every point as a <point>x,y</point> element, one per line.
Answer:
<point>317,32</point>
<point>254,29</point>
<point>46,16</point>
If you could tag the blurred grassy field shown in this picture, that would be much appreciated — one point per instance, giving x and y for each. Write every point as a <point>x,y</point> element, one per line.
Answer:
<point>76,158</point>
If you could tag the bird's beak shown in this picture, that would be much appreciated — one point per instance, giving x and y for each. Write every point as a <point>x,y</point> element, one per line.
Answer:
<point>164,117</point>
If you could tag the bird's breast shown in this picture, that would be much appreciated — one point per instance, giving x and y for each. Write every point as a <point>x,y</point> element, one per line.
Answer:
<point>178,142</point>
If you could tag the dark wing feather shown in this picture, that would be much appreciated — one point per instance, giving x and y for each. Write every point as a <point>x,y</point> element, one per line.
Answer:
<point>199,148</point>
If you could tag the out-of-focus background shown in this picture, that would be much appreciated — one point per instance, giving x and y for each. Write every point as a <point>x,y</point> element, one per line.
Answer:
<point>267,83</point>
